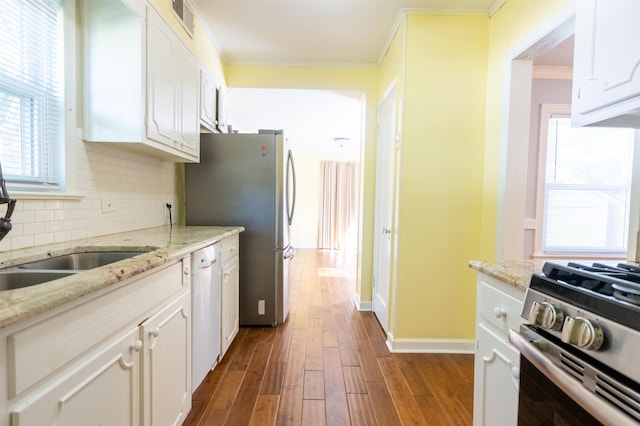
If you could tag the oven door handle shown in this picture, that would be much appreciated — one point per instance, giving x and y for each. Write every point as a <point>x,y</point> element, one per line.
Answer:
<point>598,408</point>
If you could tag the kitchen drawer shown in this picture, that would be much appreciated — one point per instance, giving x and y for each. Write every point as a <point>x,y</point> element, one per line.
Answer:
<point>498,308</point>
<point>39,350</point>
<point>229,248</point>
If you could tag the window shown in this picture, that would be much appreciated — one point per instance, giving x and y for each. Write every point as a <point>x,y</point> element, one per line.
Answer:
<point>586,189</point>
<point>32,94</point>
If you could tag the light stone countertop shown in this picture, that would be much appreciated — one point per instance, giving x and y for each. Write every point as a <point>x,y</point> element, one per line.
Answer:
<point>515,273</point>
<point>157,246</point>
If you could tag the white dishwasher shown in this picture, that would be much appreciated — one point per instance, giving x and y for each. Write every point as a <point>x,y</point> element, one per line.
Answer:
<point>205,313</point>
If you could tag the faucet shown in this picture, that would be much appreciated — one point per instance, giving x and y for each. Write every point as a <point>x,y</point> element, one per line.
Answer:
<point>5,222</point>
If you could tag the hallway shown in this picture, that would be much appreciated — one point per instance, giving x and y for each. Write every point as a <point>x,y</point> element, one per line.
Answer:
<point>328,365</point>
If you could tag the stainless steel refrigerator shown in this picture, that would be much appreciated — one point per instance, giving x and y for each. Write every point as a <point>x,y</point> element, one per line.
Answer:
<point>249,180</point>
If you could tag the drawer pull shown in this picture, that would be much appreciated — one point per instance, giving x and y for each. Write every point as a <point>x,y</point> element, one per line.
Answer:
<point>499,313</point>
<point>137,346</point>
<point>154,331</point>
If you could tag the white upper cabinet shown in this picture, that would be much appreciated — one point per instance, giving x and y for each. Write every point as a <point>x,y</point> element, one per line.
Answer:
<point>189,135</point>
<point>162,81</point>
<point>141,84</point>
<point>222,109</point>
<point>606,80</point>
<point>208,101</point>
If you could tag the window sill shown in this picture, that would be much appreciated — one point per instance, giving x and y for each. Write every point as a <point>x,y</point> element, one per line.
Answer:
<point>579,256</point>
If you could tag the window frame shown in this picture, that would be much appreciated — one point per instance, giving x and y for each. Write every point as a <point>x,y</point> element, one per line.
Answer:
<point>67,188</point>
<point>548,111</point>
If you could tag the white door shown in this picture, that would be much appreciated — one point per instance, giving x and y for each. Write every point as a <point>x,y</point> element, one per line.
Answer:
<point>385,158</point>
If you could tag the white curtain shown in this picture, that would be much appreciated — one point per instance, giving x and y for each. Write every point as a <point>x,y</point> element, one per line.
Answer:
<point>338,225</point>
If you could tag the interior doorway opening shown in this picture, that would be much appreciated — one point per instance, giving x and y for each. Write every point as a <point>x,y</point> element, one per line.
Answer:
<point>322,127</point>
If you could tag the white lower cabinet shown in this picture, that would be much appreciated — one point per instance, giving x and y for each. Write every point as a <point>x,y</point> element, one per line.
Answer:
<point>230,308</point>
<point>166,338</point>
<point>103,390</point>
<point>497,362</point>
<point>496,393</point>
<point>119,358</point>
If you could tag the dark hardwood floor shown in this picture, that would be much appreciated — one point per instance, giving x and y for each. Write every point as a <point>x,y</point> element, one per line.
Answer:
<point>328,365</point>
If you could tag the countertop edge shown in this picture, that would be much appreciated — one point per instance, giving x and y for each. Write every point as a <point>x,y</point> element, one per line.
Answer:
<point>163,245</point>
<point>516,274</point>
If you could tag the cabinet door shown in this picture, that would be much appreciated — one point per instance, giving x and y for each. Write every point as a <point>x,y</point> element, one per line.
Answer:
<point>607,59</point>
<point>230,316</point>
<point>189,135</point>
<point>208,101</point>
<point>222,110</point>
<point>496,381</point>
<point>103,390</point>
<point>162,81</point>
<point>167,363</point>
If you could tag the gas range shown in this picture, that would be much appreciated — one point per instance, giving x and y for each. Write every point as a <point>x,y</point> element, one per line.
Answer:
<point>585,318</point>
<point>588,308</point>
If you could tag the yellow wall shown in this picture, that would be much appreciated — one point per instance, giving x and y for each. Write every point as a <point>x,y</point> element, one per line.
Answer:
<point>509,27</point>
<point>440,198</point>
<point>364,79</point>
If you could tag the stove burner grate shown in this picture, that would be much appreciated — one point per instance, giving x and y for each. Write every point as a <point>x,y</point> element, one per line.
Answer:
<point>621,281</point>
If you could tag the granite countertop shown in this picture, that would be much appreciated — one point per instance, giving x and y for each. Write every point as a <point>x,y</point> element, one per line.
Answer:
<point>157,246</point>
<point>515,273</point>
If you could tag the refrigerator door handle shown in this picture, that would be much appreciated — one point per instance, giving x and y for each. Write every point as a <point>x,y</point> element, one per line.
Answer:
<point>289,253</point>
<point>291,166</point>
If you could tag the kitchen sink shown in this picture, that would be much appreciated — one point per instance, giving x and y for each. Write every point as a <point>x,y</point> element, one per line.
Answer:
<point>13,279</point>
<point>79,261</point>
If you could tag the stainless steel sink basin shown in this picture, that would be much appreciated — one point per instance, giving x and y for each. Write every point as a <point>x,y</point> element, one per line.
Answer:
<point>12,279</point>
<point>79,261</point>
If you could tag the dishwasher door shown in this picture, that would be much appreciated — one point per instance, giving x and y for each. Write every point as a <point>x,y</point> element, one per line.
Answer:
<point>205,312</point>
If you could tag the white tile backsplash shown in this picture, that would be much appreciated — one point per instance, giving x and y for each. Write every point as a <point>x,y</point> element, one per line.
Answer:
<point>138,186</point>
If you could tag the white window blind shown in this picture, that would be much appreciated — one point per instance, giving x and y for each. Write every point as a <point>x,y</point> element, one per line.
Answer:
<point>587,188</point>
<point>31,93</point>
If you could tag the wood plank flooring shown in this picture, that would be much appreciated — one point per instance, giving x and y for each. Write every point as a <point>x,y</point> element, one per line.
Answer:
<point>328,365</point>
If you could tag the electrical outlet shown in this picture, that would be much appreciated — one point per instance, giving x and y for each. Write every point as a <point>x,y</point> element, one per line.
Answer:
<point>108,206</point>
<point>261,307</point>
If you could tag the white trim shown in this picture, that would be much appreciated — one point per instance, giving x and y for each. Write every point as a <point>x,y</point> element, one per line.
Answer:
<point>453,346</point>
<point>387,101</point>
<point>546,111</point>
<point>516,99</point>
<point>361,305</point>
<point>401,16</point>
<point>552,72</point>
<point>633,251</point>
<point>495,7</point>
<point>515,157</point>
<point>70,96</point>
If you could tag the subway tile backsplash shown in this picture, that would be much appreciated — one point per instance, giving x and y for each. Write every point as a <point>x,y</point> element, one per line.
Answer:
<point>134,187</point>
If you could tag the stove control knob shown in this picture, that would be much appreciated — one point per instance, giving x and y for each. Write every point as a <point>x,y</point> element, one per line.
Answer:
<point>546,316</point>
<point>582,333</point>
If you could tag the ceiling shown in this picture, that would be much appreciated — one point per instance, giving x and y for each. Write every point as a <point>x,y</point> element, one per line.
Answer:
<point>312,119</point>
<point>313,32</point>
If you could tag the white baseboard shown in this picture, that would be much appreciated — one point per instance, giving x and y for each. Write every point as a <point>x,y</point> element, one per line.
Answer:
<point>361,305</point>
<point>453,346</point>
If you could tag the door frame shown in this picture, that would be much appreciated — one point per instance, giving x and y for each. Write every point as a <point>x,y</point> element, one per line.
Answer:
<point>514,128</point>
<point>390,95</point>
